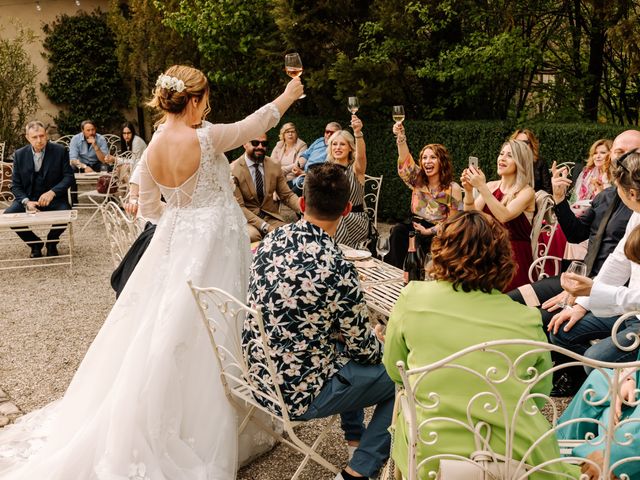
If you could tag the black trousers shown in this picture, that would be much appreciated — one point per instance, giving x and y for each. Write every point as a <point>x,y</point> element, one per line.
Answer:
<point>31,238</point>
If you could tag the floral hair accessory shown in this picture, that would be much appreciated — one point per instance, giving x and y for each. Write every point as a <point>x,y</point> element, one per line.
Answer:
<point>170,83</point>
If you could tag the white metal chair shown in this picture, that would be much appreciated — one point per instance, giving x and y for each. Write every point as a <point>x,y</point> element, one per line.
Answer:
<point>543,229</point>
<point>97,199</point>
<point>65,140</point>
<point>113,141</point>
<point>6,173</point>
<point>121,230</point>
<point>510,357</point>
<point>2,147</point>
<point>224,316</point>
<point>372,188</point>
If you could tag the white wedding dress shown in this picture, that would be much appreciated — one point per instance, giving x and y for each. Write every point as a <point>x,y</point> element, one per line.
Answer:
<point>146,402</point>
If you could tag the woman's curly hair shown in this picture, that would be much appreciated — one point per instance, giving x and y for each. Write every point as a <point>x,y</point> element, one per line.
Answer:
<point>472,251</point>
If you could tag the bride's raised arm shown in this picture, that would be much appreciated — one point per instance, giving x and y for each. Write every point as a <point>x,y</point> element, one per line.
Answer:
<point>227,136</point>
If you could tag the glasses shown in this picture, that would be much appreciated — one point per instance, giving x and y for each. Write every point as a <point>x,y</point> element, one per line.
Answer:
<point>264,143</point>
<point>329,132</point>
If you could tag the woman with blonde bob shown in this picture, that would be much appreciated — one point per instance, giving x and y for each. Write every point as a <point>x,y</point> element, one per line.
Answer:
<point>287,150</point>
<point>510,200</point>
<point>349,151</point>
<point>596,174</point>
<point>461,307</point>
<point>140,404</point>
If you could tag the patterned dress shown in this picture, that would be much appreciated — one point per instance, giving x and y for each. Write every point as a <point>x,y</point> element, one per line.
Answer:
<point>354,228</point>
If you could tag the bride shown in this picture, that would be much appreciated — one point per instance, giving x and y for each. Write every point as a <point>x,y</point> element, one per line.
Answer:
<point>146,402</point>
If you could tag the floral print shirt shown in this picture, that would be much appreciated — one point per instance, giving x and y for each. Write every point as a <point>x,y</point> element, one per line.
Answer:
<point>308,295</point>
<point>433,208</point>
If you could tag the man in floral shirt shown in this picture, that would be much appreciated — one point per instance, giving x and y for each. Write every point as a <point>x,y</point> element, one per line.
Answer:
<point>315,316</point>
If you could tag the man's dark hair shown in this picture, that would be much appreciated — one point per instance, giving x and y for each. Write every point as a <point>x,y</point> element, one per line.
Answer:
<point>86,122</point>
<point>326,191</point>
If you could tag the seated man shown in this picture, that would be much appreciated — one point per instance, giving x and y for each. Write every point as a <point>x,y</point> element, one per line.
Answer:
<point>41,177</point>
<point>257,178</point>
<point>316,319</point>
<point>314,155</point>
<point>603,224</point>
<point>89,150</point>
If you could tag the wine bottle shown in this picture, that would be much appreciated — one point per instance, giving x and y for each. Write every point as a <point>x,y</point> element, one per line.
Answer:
<point>412,267</point>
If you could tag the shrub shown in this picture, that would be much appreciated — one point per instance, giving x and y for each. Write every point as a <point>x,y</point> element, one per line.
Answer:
<point>83,72</point>
<point>18,99</point>
<point>483,139</point>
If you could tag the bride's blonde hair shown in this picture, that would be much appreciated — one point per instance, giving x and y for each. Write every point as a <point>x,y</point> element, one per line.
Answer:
<point>170,100</point>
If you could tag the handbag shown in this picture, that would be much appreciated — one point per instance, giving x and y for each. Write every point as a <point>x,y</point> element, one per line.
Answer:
<point>105,186</point>
<point>486,466</point>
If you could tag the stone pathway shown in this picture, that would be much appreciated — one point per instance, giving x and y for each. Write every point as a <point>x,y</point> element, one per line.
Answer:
<point>8,410</point>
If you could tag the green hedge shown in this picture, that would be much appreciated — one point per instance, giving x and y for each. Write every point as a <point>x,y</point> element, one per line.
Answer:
<point>482,139</point>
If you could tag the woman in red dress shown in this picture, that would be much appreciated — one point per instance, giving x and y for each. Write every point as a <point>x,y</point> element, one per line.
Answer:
<point>510,200</point>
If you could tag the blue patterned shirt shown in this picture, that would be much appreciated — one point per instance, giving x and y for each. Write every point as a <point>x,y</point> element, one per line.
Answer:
<point>309,295</point>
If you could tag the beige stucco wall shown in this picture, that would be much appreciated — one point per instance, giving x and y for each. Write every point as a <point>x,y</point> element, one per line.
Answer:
<point>27,14</point>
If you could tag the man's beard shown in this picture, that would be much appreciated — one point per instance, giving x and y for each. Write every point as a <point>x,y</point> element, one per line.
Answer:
<point>258,155</point>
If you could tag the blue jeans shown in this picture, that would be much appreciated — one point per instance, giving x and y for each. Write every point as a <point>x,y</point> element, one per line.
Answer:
<point>590,328</point>
<point>348,392</point>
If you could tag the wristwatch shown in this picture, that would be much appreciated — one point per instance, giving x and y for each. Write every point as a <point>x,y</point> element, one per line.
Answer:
<point>264,228</point>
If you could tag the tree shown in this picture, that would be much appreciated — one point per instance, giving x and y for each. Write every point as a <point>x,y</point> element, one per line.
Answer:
<point>240,49</point>
<point>145,47</point>
<point>83,74</point>
<point>18,99</point>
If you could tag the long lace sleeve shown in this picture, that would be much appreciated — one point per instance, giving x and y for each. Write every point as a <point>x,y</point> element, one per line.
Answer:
<point>151,207</point>
<point>226,136</point>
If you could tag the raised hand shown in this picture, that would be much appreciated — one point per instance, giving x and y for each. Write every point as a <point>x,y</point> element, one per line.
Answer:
<point>559,182</point>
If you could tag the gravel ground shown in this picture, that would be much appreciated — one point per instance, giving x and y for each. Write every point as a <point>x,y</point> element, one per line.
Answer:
<point>49,317</point>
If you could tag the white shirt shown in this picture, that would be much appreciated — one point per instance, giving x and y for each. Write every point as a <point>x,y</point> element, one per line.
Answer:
<point>609,297</point>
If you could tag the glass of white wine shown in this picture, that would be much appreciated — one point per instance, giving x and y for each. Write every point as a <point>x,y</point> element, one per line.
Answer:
<point>398,113</point>
<point>293,66</point>
<point>579,268</point>
<point>354,105</point>
<point>383,246</point>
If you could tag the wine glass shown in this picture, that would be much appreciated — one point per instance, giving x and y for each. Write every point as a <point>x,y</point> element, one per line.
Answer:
<point>579,268</point>
<point>293,66</point>
<point>383,246</point>
<point>398,113</point>
<point>427,261</point>
<point>354,105</point>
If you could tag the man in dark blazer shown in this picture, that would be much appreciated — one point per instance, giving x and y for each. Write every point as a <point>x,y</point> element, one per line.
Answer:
<point>42,175</point>
<point>257,178</point>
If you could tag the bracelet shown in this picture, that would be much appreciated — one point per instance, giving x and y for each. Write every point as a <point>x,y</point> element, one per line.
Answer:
<point>358,136</point>
<point>400,139</point>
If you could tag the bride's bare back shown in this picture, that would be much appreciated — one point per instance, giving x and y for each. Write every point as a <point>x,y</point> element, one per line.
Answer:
<point>173,156</point>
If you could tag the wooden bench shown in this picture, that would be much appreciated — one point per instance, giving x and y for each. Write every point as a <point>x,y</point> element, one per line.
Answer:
<point>42,221</point>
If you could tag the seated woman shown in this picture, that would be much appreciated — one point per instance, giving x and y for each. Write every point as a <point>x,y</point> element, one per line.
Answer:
<point>350,152</point>
<point>625,406</point>
<point>130,142</point>
<point>434,195</point>
<point>541,175</point>
<point>471,264</point>
<point>595,176</point>
<point>287,150</point>
<point>510,200</point>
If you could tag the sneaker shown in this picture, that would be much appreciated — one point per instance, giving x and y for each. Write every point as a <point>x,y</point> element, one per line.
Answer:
<point>345,476</point>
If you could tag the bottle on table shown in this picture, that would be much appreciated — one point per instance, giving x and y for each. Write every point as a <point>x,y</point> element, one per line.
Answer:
<point>412,265</point>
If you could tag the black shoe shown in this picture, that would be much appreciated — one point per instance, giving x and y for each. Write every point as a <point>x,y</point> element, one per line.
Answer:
<point>52,251</point>
<point>566,385</point>
<point>36,252</point>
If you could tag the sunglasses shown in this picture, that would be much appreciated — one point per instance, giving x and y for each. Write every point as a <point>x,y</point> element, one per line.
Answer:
<point>329,132</point>
<point>264,143</point>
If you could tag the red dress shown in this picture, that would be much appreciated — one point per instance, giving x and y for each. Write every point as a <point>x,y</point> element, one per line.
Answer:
<point>520,237</point>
